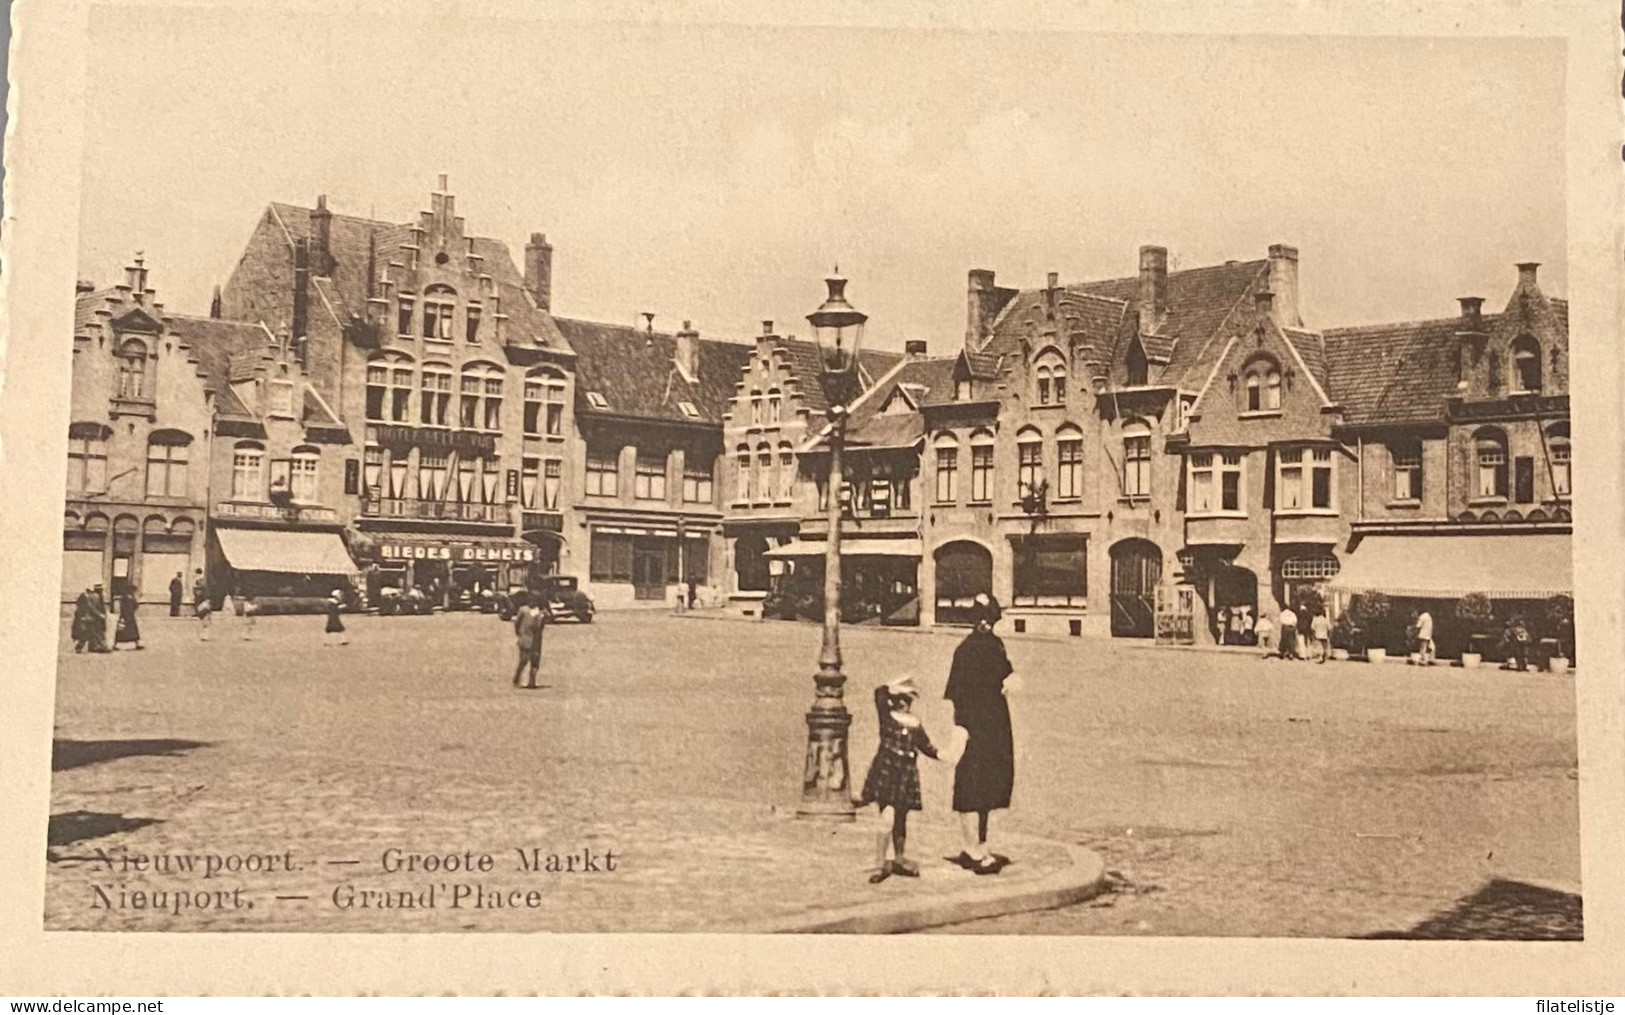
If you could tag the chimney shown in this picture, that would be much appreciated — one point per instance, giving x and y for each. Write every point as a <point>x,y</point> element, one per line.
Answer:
<point>321,238</point>
<point>767,329</point>
<point>688,351</point>
<point>214,304</point>
<point>1526,273</point>
<point>83,286</point>
<point>539,270</point>
<point>1284,284</point>
<point>981,301</point>
<point>1153,289</point>
<point>135,276</point>
<point>915,348</point>
<point>1472,315</point>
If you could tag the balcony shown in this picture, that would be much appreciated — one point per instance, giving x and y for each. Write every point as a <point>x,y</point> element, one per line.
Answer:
<point>412,509</point>
<point>262,512</point>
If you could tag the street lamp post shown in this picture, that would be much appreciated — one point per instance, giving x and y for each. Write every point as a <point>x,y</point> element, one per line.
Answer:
<point>826,790</point>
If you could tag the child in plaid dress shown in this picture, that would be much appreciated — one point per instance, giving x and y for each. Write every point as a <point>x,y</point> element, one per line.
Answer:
<point>893,783</point>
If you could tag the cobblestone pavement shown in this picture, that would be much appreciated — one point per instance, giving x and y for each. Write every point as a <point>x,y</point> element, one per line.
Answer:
<point>1231,796</point>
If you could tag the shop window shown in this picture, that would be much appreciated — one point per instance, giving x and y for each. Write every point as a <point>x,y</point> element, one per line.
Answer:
<point>87,457</point>
<point>1050,570</point>
<point>603,474</point>
<point>168,452</point>
<point>1318,567</point>
<point>434,407</point>
<point>649,482</point>
<point>1491,446</point>
<point>1407,459</point>
<point>248,471</point>
<point>132,369</point>
<point>1137,460</point>
<point>947,474</point>
<point>1526,365</point>
<point>1069,462</point>
<point>611,557</point>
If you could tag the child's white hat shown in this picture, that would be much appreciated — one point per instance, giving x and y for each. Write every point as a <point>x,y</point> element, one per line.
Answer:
<point>899,686</point>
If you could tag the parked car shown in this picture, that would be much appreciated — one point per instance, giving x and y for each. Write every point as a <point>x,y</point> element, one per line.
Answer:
<point>392,601</point>
<point>561,597</point>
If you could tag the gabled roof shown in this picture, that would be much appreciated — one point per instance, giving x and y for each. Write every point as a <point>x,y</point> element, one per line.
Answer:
<point>222,349</point>
<point>924,381</point>
<point>1399,373</point>
<point>1102,315</point>
<point>636,372</point>
<point>357,242</point>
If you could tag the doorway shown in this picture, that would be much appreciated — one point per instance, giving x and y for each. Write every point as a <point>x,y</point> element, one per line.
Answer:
<point>1136,570</point>
<point>648,570</point>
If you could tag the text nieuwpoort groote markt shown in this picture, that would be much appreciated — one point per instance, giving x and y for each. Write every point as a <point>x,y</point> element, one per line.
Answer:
<point>242,881</point>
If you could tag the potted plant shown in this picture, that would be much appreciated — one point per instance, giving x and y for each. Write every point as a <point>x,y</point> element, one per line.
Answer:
<point>1475,615</point>
<point>1371,611</point>
<point>1560,627</point>
<point>1344,635</point>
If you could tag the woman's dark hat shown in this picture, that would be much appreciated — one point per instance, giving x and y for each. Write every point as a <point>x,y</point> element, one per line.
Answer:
<point>986,608</point>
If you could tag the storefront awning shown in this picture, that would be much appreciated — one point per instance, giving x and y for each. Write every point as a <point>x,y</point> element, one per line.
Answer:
<point>850,547</point>
<point>285,552</point>
<point>1532,566</point>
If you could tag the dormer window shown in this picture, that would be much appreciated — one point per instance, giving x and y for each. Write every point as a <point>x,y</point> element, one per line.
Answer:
<point>962,389</point>
<point>1263,386</point>
<point>689,410</point>
<point>1526,365</point>
<point>597,401</point>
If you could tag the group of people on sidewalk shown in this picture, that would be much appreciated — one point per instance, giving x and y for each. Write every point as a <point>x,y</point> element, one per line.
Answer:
<point>982,748</point>
<point>100,626</point>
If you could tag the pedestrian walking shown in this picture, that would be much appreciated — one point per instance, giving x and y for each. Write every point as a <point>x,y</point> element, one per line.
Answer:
<point>1320,628</point>
<point>1264,633</point>
<point>1424,638</point>
<point>528,623</point>
<point>251,614</point>
<point>96,622</point>
<point>334,633</point>
<point>985,775</point>
<point>201,605</point>
<point>1289,634</point>
<point>177,592</point>
<point>80,628</point>
<point>893,782</point>
<point>128,631</point>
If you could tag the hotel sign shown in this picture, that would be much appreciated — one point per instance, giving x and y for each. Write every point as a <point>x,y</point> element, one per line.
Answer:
<point>429,438</point>
<point>456,552</point>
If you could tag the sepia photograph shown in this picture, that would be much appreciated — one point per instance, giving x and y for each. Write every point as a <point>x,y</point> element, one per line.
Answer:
<point>523,474</point>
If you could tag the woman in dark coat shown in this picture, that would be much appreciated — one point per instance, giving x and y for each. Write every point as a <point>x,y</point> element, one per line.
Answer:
<point>986,771</point>
<point>128,630</point>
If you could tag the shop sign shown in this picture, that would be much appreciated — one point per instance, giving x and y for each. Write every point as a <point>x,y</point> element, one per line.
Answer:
<point>464,442</point>
<point>456,552</point>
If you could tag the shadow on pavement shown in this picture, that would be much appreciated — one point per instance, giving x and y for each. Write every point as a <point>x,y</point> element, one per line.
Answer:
<point>66,754</point>
<point>77,826</point>
<point>1502,911</point>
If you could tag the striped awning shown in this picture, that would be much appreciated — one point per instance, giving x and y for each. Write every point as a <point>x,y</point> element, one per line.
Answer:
<point>1532,566</point>
<point>285,552</point>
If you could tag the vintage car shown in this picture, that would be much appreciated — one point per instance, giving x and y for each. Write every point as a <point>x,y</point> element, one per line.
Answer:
<point>393,602</point>
<point>560,595</point>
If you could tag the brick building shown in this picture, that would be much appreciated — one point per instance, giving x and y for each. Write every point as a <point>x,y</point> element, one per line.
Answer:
<point>444,361</point>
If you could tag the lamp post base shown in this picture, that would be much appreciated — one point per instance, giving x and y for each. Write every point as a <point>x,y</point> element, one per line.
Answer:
<point>826,792</point>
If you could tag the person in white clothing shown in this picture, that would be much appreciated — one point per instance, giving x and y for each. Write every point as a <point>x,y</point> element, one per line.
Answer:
<point>1424,637</point>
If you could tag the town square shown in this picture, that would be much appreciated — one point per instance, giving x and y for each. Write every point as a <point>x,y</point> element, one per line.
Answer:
<point>1226,794</point>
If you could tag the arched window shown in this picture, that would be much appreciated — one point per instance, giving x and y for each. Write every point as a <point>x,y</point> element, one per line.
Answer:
<point>248,471</point>
<point>742,460</point>
<point>1557,443</point>
<point>1263,376</point>
<point>132,369</point>
<point>981,467</point>
<point>1069,462</point>
<point>167,455</point>
<point>755,408</point>
<point>774,408</point>
<point>947,447</point>
<point>1029,462</point>
<point>787,471</point>
<point>1491,446</point>
<point>434,404</point>
<point>1526,365</point>
<point>1136,460</point>
<point>389,388</point>
<point>87,457</point>
<point>439,307</point>
<point>544,403</point>
<point>765,484</point>
<point>302,474</point>
<point>1050,371</point>
<point>480,405</point>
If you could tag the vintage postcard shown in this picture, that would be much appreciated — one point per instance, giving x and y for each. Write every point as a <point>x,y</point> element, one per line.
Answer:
<point>1117,497</point>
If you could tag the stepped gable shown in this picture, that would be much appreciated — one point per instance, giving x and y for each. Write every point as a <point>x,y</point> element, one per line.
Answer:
<point>636,372</point>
